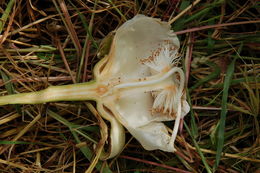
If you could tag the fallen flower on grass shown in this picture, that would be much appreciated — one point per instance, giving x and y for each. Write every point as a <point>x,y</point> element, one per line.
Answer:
<point>138,85</point>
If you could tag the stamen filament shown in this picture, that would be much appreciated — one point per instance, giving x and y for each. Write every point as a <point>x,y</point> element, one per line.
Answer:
<point>176,125</point>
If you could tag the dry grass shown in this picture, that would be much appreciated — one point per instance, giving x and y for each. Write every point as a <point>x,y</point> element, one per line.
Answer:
<point>55,42</point>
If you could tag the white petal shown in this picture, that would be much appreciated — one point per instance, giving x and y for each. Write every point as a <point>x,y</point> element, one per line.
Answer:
<point>153,136</point>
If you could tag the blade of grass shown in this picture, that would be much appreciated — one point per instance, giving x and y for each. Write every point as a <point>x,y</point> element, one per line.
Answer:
<point>88,43</point>
<point>63,56</point>
<point>27,127</point>
<point>31,24</point>
<point>119,12</point>
<point>228,155</point>
<point>41,49</point>
<point>89,37</point>
<point>184,11</point>
<point>64,14</point>
<point>194,128</point>
<point>85,25</point>
<point>104,136</point>
<point>11,116</point>
<point>204,160</point>
<point>205,12</point>
<point>236,81</point>
<point>222,121</point>
<point>22,132</point>
<point>20,166</point>
<point>199,14</point>
<point>6,14</point>
<point>8,85</point>
<point>215,26</point>
<point>14,142</point>
<point>211,76</point>
<point>180,23</point>
<point>10,89</point>
<point>71,126</point>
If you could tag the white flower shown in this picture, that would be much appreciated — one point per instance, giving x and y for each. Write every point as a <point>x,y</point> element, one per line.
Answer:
<point>130,89</point>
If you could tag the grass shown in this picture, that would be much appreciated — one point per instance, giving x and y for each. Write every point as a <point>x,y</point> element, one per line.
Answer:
<point>57,42</point>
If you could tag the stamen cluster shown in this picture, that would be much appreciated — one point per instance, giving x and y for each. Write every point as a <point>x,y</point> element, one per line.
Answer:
<point>167,99</point>
<point>163,59</point>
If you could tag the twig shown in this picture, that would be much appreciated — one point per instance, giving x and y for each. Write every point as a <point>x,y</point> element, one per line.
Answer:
<point>184,11</point>
<point>215,26</point>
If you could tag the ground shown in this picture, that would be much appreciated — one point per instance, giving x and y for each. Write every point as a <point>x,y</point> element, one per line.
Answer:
<point>58,42</point>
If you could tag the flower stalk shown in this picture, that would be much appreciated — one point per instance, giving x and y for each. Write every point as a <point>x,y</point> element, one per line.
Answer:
<point>74,92</point>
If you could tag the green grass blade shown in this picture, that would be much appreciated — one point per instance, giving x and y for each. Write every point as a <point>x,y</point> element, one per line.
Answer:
<point>10,89</point>
<point>8,86</point>
<point>211,76</point>
<point>194,128</point>
<point>14,142</point>
<point>204,160</point>
<point>6,14</point>
<point>119,12</point>
<point>237,81</point>
<point>222,121</point>
<point>71,126</point>
<point>81,63</point>
<point>179,24</point>
<point>85,25</point>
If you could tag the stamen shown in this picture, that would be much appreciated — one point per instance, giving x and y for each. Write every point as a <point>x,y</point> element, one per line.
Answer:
<point>163,59</point>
